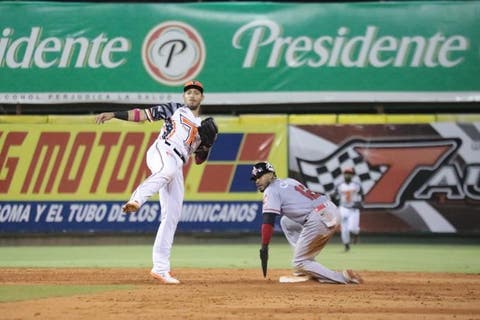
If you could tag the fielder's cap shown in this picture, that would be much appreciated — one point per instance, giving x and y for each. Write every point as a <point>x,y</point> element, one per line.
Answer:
<point>349,170</point>
<point>260,168</point>
<point>193,84</point>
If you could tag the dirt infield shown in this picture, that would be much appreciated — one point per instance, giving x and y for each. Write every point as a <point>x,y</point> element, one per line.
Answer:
<point>243,294</point>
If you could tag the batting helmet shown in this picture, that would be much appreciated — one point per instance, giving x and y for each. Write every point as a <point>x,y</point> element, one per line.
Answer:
<point>260,168</point>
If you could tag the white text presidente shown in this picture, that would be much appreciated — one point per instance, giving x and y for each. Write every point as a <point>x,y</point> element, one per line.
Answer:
<point>345,50</point>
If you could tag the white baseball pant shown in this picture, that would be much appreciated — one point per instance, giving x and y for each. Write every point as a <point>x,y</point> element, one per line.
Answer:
<point>350,223</point>
<point>167,180</point>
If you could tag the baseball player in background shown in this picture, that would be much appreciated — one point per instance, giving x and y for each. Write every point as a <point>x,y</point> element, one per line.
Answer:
<point>183,133</point>
<point>349,196</point>
<point>308,219</point>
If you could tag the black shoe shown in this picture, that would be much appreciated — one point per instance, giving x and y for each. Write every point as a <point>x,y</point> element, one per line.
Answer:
<point>347,247</point>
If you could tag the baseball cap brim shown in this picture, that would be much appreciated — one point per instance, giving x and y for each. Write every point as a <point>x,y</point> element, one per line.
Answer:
<point>258,175</point>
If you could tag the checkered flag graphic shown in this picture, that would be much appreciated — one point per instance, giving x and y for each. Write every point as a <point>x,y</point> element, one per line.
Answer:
<point>323,175</point>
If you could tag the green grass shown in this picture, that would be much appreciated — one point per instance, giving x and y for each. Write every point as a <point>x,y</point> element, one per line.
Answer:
<point>423,257</point>
<point>463,258</point>
<point>29,292</point>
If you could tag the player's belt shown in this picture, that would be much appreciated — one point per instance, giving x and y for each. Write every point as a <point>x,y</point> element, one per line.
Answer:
<point>176,151</point>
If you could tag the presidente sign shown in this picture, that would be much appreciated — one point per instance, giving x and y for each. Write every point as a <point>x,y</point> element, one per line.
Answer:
<point>412,51</point>
<point>344,50</point>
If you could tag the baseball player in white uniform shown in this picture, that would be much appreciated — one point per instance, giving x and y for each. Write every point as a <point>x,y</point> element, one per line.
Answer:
<point>349,196</point>
<point>178,139</point>
<point>309,220</point>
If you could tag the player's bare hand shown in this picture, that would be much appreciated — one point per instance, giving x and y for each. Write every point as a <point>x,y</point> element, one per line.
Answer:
<point>102,117</point>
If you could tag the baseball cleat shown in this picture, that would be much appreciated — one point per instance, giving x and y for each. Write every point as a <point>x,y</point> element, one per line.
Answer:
<point>352,277</point>
<point>165,277</point>
<point>131,206</point>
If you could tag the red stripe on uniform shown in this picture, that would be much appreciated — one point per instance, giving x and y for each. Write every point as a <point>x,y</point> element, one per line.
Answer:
<point>271,210</point>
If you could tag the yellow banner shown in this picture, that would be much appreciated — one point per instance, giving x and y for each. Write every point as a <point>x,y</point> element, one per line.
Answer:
<point>77,161</point>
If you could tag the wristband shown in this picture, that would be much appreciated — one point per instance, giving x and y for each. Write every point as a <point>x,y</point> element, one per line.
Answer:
<point>136,115</point>
<point>122,115</point>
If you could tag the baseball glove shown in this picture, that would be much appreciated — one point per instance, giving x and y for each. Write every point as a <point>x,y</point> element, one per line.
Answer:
<point>208,132</point>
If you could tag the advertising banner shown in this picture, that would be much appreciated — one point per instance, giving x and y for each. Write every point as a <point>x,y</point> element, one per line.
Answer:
<point>415,177</point>
<point>422,51</point>
<point>75,177</point>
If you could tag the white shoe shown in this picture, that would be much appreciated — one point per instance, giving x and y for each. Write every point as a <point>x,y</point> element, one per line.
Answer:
<point>352,277</point>
<point>165,277</point>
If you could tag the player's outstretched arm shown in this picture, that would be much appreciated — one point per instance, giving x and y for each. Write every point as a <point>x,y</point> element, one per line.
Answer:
<point>136,115</point>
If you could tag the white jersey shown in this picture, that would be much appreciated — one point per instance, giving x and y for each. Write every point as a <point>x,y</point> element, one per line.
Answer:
<point>350,194</point>
<point>291,198</point>
<point>180,128</point>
